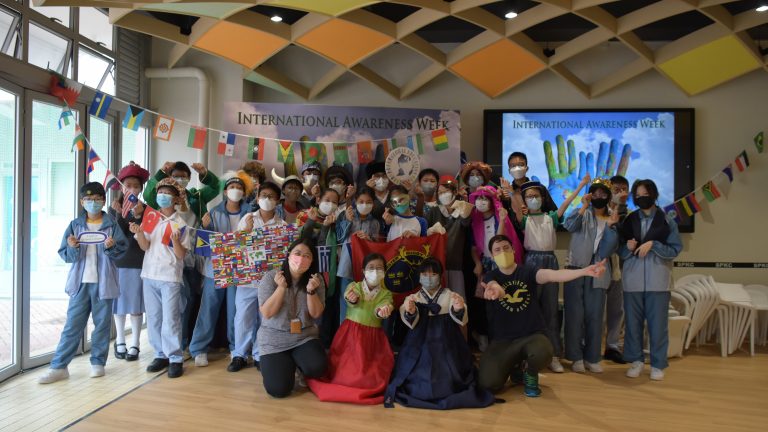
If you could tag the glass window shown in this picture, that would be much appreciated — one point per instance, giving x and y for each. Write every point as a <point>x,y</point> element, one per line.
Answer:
<point>59,14</point>
<point>48,50</point>
<point>95,70</point>
<point>134,147</point>
<point>8,131</point>
<point>94,24</point>
<point>10,28</point>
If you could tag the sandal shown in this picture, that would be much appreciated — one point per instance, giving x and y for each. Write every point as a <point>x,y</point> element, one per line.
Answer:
<point>132,357</point>
<point>119,355</point>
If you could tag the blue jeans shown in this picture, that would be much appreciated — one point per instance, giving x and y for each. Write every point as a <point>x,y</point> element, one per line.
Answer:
<point>342,301</point>
<point>614,312</point>
<point>85,302</point>
<point>247,322</point>
<point>583,320</point>
<point>652,307</point>
<point>210,305</point>
<point>164,303</point>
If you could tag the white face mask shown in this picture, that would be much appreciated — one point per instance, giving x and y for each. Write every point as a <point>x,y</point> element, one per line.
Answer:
<point>235,195</point>
<point>327,207</point>
<point>267,204</point>
<point>445,198</point>
<point>517,172</point>
<point>340,188</point>
<point>381,184</point>
<point>429,282</point>
<point>475,181</point>
<point>311,179</point>
<point>364,209</point>
<point>482,205</point>
<point>428,188</point>
<point>374,277</point>
<point>533,203</point>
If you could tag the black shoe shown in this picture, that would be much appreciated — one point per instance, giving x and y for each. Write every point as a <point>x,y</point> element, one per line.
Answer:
<point>132,357</point>
<point>614,356</point>
<point>118,354</point>
<point>157,365</point>
<point>257,365</point>
<point>175,370</point>
<point>237,364</point>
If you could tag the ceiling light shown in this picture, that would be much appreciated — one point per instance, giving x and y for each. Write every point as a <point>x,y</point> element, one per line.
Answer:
<point>510,14</point>
<point>276,18</point>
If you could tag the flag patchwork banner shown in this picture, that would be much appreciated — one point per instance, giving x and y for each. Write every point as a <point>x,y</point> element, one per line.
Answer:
<point>673,212</point>
<point>226,145</point>
<point>100,105</point>
<point>203,243</point>
<point>79,140</point>
<point>384,146</point>
<point>129,203</point>
<point>285,152</point>
<point>729,172</point>
<point>759,144</point>
<point>150,219</point>
<point>109,180</point>
<point>65,118</point>
<point>440,140</point>
<point>364,152</point>
<point>710,191</point>
<point>742,161</point>
<point>197,136</point>
<point>323,259</point>
<point>163,128</point>
<point>133,118</point>
<point>92,159</point>
<point>256,147</point>
<point>341,153</point>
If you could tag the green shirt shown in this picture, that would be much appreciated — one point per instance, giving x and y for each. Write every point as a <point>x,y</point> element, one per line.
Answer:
<point>197,199</point>
<point>364,311</point>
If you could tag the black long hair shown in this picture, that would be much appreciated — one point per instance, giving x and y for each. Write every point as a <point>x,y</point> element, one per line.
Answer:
<point>286,268</point>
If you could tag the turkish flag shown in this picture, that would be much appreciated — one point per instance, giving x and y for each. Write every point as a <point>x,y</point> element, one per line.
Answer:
<point>150,219</point>
<point>403,258</point>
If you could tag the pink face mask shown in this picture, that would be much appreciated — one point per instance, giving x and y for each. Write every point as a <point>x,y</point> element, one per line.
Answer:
<point>299,263</point>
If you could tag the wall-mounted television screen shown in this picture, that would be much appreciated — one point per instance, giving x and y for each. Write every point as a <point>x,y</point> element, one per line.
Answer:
<point>563,145</point>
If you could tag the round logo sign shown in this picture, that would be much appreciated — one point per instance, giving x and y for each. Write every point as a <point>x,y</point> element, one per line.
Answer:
<point>92,237</point>
<point>402,164</point>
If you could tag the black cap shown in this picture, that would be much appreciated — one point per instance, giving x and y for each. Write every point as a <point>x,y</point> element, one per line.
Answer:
<point>92,188</point>
<point>373,168</point>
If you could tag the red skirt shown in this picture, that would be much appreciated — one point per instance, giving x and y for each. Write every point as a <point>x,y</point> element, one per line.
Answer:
<point>360,362</point>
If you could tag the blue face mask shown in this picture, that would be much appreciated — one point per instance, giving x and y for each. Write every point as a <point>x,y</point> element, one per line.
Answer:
<point>164,200</point>
<point>93,207</point>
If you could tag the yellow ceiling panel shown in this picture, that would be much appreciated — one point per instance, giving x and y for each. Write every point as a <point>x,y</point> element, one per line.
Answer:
<point>241,44</point>
<point>497,67</point>
<point>710,64</point>
<point>343,41</point>
<point>327,7</point>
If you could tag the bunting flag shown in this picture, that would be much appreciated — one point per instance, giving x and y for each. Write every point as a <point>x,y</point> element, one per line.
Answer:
<point>100,105</point>
<point>203,243</point>
<point>710,191</point>
<point>324,259</point>
<point>92,158</point>
<point>742,161</point>
<point>393,143</point>
<point>109,180</point>
<point>440,140</point>
<point>759,142</point>
<point>693,203</point>
<point>65,89</point>
<point>384,144</point>
<point>256,148</point>
<point>133,118</point>
<point>163,127</point>
<point>129,202</point>
<point>197,136</point>
<point>364,152</point>
<point>673,212</point>
<point>79,141</point>
<point>341,154</point>
<point>150,219</point>
<point>314,152</point>
<point>729,172</point>
<point>64,118</point>
<point>285,152</point>
<point>226,144</point>
<point>686,207</point>
<point>414,143</point>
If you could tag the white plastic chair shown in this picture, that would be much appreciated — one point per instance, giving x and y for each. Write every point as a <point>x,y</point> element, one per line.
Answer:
<point>685,280</point>
<point>736,317</point>
<point>678,328</point>
<point>759,297</point>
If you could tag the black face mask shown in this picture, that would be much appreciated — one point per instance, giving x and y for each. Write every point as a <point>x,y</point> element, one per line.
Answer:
<point>599,203</point>
<point>644,202</point>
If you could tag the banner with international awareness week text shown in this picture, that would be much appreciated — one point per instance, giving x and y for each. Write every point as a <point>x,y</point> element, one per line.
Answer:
<point>293,134</point>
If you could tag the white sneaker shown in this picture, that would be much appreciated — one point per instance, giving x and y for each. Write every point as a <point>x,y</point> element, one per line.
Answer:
<point>201,360</point>
<point>594,367</point>
<point>97,371</point>
<point>53,375</point>
<point>578,366</point>
<point>657,374</point>
<point>555,365</point>
<point>635,369</point>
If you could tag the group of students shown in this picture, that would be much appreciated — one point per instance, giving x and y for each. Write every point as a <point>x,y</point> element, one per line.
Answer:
<point>356,341</point>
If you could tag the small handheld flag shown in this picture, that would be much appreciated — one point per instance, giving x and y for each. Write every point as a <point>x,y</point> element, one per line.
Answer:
<point>129,202</point>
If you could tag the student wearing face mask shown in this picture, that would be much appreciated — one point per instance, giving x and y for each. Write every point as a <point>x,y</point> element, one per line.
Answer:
<point>539,218</point>
<point>357,221</point>
<point>130,302</point>
<point>475,175</point>
<point>379,183</point>
<point>594,238</point>
<point>516,324</point>
<point>165,248</point>
<point>614,297</point>
<point>401,222</point>
<point>247,318</point>
<point>310,173</point>
<point>650,242</point>
<point>92,284</point>
<point>340,180</point>
<point>223,218</point>
<point>426,192</point>
<point>435,368</point>
<point>360,359</point>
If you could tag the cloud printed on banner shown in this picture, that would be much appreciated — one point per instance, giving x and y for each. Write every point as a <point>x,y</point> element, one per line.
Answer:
<point>345,135</point>
<point>523,139</point>
<point>653,145</point>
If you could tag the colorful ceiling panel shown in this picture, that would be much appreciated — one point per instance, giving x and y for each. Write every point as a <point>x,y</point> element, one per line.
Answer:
<point>244,45</point>
<point>344,42</point>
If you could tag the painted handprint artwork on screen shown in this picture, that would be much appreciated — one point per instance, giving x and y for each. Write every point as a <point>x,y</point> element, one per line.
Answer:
<point>563,147</point>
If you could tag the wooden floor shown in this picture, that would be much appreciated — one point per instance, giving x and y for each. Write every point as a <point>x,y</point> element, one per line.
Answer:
<point>702,392</point>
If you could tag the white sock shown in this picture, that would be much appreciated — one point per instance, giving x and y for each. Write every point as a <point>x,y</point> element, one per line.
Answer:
<point>120,330</point>
<point>136,321</point>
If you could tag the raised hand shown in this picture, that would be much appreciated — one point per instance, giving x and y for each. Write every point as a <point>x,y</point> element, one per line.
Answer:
<point>168,167</point>
<point>350,193</point>
<point>249,222</point>
<point>117,206</point>
<point>315,191</point>
<point>200,168</point>
<point>314,283</point>
<point>72,241</point>
<point>134,228</point>
<point>138,210</point>
<point>349,212</point>
<point>329,220</point>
